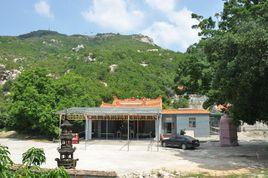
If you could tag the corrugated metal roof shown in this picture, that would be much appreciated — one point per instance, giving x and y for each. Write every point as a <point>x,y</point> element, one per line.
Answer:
<point>99,111</point>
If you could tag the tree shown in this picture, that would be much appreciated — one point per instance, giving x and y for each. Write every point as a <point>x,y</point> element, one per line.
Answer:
<point>237,52</point>
<point>242,72</point>
<point>3,110</point>
<point>36,96</point>
<point>194,73</point>
<point>33,103</point>
<point>182,102</point>
<point>73,90</point>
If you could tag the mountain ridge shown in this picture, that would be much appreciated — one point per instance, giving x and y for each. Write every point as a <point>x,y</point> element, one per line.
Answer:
<point>42,33</point>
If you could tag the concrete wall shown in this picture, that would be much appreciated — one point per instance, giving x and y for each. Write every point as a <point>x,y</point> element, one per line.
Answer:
<point>202,124</point>
<point>256,126</point>
<point>76,173</point>
<point>181,122</point>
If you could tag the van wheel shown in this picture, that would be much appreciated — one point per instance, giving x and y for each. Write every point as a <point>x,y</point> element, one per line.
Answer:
<point>164,144</point>
<point>183,146</point>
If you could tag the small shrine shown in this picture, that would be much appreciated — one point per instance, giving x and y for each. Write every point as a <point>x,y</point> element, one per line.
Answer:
<point>66,149</point>
<point>228,132</point>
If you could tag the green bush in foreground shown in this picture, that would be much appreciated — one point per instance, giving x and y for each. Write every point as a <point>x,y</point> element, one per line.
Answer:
<point>33,156</point>
<point>32,159</point>
<point>59,172</point>
<point>5,161</point>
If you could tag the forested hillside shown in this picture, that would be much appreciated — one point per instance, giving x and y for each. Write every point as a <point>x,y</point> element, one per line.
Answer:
<point>129,67</point>
<point>43,71</point>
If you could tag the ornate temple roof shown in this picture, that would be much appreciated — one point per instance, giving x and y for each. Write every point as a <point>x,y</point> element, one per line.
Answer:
<point>185,111</point>
<point>134,102</point>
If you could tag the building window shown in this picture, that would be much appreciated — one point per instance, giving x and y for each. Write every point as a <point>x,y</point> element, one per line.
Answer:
<point>168,127</point>
<point>192,122</point>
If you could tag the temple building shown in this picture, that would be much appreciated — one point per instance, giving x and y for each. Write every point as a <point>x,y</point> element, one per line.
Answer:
<point>143,118</point>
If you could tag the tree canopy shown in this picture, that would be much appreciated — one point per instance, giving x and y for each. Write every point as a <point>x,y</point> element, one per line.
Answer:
<point>33,103</point>
<point>36,96</point>
<point>230,63</point>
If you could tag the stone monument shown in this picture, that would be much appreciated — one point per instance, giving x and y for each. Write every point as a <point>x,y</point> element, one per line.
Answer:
<point>228,132</point>
<point>66,149</point>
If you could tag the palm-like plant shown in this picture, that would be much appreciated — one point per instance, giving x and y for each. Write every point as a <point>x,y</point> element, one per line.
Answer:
<point>5,161</point>
<point>33,157</point>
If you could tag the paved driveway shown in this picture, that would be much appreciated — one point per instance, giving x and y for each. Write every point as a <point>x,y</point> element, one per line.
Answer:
<point>143,156</point>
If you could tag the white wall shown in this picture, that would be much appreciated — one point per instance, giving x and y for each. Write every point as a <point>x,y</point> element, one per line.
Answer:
<point>256,126</point>
<point>202,128</point>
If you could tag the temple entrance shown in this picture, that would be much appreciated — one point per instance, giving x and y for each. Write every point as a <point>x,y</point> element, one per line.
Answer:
<point>111,129</point>
<point>117,123</point>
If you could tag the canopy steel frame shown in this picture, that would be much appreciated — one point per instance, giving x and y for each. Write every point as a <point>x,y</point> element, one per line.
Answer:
<point>129,114</point>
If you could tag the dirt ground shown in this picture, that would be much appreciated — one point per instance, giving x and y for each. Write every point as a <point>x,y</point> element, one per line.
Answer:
<point>145,156</point>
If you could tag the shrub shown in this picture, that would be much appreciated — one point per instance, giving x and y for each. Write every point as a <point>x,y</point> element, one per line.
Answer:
<point>58,173</point>
<point>33,156</point>
<point>5,161</point>
<point>32,159</point>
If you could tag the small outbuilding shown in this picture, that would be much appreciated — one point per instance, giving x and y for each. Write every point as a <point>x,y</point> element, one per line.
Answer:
<point>194,122</point>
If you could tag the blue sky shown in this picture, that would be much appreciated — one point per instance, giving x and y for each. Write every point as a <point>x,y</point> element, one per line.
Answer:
<point>168,22</point>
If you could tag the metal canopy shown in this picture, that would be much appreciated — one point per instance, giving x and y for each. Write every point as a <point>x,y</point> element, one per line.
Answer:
<point>113,111</point>
<point>107,113</point>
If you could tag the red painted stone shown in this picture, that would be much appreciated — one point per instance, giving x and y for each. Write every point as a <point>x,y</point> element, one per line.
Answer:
<point>228,132</point>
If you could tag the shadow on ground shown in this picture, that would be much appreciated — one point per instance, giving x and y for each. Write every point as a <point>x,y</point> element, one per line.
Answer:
<point>210,155</point>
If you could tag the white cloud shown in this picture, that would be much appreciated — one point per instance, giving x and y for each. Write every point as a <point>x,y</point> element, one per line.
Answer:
<point>175,33</point>
<point>165,6</point>
<point>114,14</point>
<point>43,9</point>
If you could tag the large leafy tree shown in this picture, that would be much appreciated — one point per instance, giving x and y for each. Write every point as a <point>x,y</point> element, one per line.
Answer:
<point>195,72</point>
<point>236,49</point>
<point>36,96</point>
<point>242,71</point>
<point>33,102</point>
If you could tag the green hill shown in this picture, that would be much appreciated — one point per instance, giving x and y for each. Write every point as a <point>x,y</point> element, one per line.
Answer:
<point>140,69</point>
<point>44,71</point>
